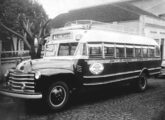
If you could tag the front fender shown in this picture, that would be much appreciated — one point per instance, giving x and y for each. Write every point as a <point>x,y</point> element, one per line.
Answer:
<point>50,72</point>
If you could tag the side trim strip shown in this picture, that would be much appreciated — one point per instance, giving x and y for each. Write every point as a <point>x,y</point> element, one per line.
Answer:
<point>102,83</point>
<point>109,75</point>
<point>155,73</point>
<point>154,68</point>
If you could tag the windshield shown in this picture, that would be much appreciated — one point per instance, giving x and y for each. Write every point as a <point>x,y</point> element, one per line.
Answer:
<point>64,49</point>
<point>67,49</point>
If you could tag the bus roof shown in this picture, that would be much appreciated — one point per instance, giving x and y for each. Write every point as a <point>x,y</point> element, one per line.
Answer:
<point>116,37</point>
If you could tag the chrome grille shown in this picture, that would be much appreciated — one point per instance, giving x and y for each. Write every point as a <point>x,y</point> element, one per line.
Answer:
<point>21,82</point>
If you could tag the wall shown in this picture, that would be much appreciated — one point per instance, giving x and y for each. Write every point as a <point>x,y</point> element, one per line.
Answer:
<point>132,25</point>
<point>155,28</point>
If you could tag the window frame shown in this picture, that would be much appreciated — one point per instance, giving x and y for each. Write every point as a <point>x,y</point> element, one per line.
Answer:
<point>149,50</point>
<point>124,52</point>
<point>90,45</point>
<point>145,55</point>
<point>106,45</point>
<point>133,51</point>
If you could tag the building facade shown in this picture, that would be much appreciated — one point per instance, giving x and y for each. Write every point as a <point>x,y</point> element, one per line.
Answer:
<point>150,27</point>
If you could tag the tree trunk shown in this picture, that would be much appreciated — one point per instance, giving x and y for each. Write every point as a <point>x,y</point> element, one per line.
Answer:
<point>33,53</point>
<point>39,49</point>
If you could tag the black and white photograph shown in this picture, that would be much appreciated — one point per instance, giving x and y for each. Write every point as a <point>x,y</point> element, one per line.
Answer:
<point>82,59</point>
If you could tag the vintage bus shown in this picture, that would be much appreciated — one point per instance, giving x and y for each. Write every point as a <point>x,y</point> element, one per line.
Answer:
<point>79,56</point>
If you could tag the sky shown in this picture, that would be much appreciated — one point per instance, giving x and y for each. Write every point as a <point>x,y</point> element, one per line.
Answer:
<point>56,7</point>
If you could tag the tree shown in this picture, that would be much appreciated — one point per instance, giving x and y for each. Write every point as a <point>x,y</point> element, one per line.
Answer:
<point>26,19</point>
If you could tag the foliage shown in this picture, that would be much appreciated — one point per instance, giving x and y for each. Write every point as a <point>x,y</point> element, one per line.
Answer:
<point>25,19</point>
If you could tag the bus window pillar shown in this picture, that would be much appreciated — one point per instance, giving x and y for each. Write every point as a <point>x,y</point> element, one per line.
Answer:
<point>162,49</point>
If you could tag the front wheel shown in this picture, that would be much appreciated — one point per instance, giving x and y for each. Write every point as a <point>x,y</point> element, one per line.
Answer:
<point>58,95</point>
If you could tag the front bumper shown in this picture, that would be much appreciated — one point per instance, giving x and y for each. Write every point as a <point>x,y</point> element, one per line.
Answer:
<point>25,95</point>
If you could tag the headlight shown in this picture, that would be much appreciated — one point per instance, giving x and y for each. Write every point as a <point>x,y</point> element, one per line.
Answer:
<point>6,73</point>
<point>37,75</point>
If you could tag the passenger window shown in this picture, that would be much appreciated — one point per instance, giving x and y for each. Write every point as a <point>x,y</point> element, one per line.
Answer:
<point>151,52</point>
<point>95,51</point>
<point>138,52</point>
<point>129,52</point>
<point>109,51</point>
<point>145,52</point>
<point>157,52</point>
<point>119,52</point>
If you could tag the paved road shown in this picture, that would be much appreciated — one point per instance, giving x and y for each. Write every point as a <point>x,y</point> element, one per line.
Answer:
<point>110,103</point>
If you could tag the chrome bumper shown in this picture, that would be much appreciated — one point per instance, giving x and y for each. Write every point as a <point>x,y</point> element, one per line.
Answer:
<point>24,95</point>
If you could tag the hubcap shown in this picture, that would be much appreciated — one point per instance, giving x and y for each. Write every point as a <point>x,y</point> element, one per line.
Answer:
<point>57,96</point>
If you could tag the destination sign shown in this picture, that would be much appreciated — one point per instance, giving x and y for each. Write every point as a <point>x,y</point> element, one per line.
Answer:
<point>62,36</point>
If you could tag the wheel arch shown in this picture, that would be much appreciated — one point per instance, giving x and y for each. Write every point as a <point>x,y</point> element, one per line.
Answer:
<point>47,81</point>
<point>145,71</point>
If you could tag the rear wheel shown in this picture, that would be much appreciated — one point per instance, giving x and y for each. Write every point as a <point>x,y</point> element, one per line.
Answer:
<point>141,83</point>
<point>58,95</point>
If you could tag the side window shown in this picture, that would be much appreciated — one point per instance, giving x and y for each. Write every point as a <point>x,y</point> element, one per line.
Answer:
<point>109,51</point>
<point>157,52</point>
<point>145,52</point>
<point>129,52</point>
<point>120,52</point>
<point>151,52</point>
<point>138,52</point>
<point>95,51</point>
